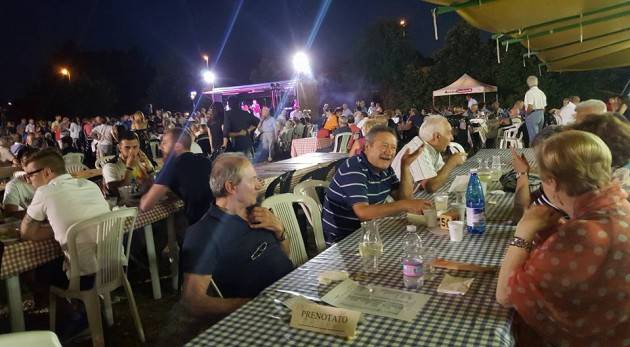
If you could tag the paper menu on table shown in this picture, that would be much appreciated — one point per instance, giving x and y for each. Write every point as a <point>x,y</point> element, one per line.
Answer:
<point>460,183</point>
<point>381,301</point>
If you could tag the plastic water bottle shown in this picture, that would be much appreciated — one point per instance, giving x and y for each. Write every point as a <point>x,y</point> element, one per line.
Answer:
<point>475,205</point>
<point>412,261</point>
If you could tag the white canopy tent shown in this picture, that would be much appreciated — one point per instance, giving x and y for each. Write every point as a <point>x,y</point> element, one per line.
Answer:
<point>465,85</point>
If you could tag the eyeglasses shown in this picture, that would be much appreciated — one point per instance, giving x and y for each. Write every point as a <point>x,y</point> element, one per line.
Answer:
<point>28,175</point>
<point>259,251</point>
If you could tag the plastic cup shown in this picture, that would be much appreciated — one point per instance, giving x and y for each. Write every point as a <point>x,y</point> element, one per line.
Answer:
<point>456,230</point>
<point>431,216</point>
<point>440,202</point>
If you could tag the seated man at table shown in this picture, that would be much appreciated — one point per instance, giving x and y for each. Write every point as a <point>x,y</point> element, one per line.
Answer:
<point>358,190</point>
<point>241,248</point>
<point>63,201</point>
<point>184,173</point>
<point>18,193</point>
<point>429,169</point>
<point>130,164</point>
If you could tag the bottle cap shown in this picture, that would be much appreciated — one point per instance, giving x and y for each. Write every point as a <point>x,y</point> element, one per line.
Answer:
<point>473,171</point>
<point>411,228</point>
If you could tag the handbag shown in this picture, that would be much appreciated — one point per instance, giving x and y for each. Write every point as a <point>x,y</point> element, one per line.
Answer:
<point>508,181</point>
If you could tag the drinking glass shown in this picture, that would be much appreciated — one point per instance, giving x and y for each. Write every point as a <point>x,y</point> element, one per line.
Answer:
<point>496,168</point>
<point>370,247</point>
<point>430,254</point>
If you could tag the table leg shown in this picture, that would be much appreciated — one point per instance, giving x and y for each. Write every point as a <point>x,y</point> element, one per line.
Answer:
<point>173,249</point>
<point>16,311</point>
<point>153,266</point>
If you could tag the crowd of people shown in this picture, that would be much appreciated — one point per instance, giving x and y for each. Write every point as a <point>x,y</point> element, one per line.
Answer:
<point>567,263</point>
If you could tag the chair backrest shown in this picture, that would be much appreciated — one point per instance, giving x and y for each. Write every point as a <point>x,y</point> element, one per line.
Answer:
<point>517,121</point>
<point>317,174</point>
<point>74,168</point>
<point>73,158</point>
<point>282,206</point>
<point>106,231</point>
<point>309,188</point>
<point>341,142</point>
<point>283,180</point>
<point>99,163</point>
<point>510,132</point>
<point>455,147</point>
<point>30,338</point>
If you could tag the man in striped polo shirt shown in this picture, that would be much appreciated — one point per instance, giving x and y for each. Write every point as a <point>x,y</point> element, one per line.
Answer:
<point>361,184</point>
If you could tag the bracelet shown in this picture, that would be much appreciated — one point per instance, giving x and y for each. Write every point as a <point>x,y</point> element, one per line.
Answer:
<point>519,174</point>
<point>521,243</point>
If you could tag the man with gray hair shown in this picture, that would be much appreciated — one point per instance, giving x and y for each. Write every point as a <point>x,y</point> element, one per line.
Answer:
<point>429,168</point>
<point>235,247</point>
<point>535,103</point>
<point>587,108</point>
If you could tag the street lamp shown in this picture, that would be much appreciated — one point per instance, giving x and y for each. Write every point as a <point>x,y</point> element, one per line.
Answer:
<point>208,76</point>
<point>193,94</point>
<point>205,57</point>
<point>65,72</point>
<point>403,25</point>
<point>301,64</point>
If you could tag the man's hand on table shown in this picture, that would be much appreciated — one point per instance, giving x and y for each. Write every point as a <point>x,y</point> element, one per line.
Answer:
<point>416,206</point>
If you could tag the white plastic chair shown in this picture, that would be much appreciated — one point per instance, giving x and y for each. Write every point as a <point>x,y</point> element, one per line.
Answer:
<point>30,338</point>
<point>19,174</point>
<point>341,142</point>
<point>101,161</point>
<point>108,230</point>
<point>282,207</point>
<point>309,188</point>
<point>73,158</point>
<point>455,147</point>
<point>74,168</point>
<point>509,138</point>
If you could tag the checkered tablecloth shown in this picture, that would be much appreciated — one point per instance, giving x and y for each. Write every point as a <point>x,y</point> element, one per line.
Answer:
<point>474,319</point>
<point>23,256</point>
<point>487,249</point>
<point>309,145</point>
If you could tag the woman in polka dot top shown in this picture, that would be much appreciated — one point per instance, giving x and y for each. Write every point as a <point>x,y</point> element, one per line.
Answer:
<point>569,280</point>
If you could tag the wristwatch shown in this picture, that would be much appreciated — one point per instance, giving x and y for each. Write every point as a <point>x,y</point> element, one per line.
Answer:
<point>521,243</point>
<point>519,174</point>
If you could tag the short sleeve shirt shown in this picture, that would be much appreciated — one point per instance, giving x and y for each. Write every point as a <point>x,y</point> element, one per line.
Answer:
<point>356,181</point>
<point>64,201</point>
<point>536,98</point>
<point>242,261</point>
<point>426,166</point>
<point>188,176</point>
<point>19,193</point>
<point>114,172</point>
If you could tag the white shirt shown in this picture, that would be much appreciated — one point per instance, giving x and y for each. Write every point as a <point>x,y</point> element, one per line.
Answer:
<point>64,201</point>
<point>195,148</point>
<point>18,193</point>
<point>361,123</point>
<point>567,113</point>
<point>425,166</point>
<point>471,102</point>
<point>75,130</point>
<point>347,112</point>
<point>114,172</point>
<point>30,128</point>
<point>104,132</point>
<point>536,98</point>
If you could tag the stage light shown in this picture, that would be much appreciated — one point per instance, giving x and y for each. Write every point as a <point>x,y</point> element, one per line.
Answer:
<point>403,22</point>
<point>193,94</point>
<point>208,76</point>
<point>301,63</point>
<point>65,72</point>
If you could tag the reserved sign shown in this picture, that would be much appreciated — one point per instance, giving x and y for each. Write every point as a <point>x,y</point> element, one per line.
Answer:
<point>324,319</point>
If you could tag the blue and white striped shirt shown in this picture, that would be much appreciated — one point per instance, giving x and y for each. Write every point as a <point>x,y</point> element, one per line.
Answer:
<point>356,181</point>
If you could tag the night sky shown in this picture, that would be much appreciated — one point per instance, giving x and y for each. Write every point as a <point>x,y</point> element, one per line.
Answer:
<point>31,30</point>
